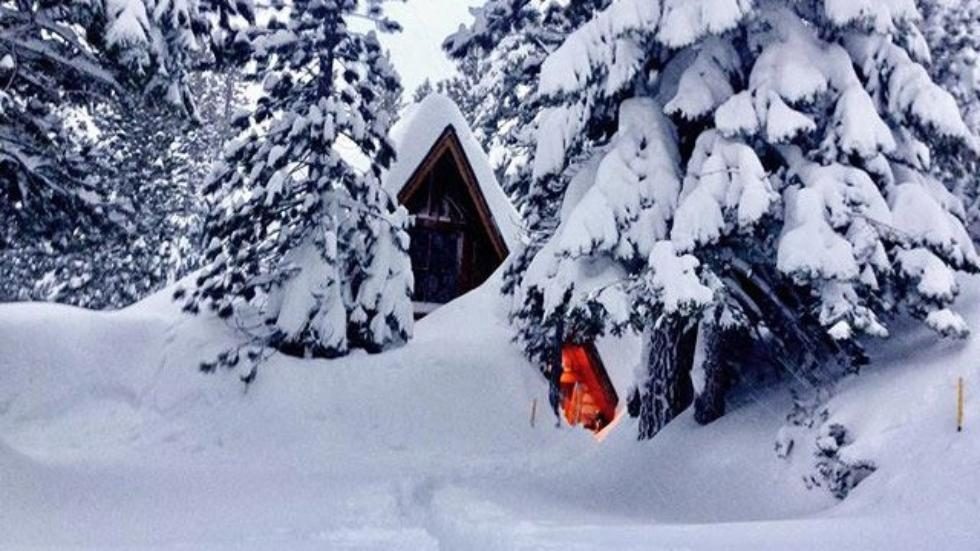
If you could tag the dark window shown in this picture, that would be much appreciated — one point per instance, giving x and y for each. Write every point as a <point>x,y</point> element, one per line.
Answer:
<point>450,250</point>
<point>436,255</point>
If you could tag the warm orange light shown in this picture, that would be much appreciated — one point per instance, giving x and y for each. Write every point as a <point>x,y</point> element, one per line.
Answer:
<point>587,396</point>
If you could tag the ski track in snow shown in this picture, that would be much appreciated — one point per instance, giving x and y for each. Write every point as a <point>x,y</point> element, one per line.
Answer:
<point>111,439</point>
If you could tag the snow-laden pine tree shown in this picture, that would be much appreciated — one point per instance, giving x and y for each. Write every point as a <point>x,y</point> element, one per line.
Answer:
<point>499,57</point>
<point>738,166</point>
<point>305,250</point>
<point>147,171</point>
<point>55,57</point>
<point>69,218</point>
<point>952,30</point>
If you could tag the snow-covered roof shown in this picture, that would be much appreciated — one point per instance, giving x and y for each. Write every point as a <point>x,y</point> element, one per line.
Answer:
<point>418,130</point>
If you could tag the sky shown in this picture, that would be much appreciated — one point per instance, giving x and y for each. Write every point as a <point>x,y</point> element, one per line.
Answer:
<point>416,50</point>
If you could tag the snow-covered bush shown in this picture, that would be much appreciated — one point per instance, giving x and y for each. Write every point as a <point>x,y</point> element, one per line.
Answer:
<point>306,252</point>
<point>833,472</point>
<point>769,167</point>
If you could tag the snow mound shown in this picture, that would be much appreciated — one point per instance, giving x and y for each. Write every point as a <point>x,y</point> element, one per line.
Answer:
<point>143,362</point>
<point>110,437</point>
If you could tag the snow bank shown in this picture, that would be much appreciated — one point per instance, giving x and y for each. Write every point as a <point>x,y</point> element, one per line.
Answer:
<point>110,437</point>
<point>902,416</point>
<point>432,396</point>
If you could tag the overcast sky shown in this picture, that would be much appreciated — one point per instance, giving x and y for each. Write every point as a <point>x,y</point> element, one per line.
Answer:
<point>415,51</point>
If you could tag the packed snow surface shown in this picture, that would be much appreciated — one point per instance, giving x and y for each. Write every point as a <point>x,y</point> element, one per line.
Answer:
<point>110,437</point>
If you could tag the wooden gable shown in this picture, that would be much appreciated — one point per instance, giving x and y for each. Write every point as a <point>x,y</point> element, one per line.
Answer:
<point>456,243</point>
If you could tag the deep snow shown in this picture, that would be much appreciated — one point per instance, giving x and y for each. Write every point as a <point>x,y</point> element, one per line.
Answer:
<point>111,438</point>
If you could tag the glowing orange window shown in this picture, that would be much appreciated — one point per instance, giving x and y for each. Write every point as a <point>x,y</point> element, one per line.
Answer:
<point>587,396</point>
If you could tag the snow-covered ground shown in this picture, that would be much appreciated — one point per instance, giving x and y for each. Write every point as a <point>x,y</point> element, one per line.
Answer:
<point>110,437</point>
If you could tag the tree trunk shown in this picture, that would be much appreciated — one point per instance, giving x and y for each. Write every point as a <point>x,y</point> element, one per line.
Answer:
<point>225,134</point>
<point>716,343</point>
<point>555,370</point>
<point>667,390</point>
<point>807,350</point>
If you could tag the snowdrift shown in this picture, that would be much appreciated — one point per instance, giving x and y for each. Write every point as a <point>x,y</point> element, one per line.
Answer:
<point>111,437</point>
<point>459,387</point>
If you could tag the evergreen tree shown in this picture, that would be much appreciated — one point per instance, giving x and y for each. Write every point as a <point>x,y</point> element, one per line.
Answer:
<point>459,88</point>
<point>63,66</point>
<point>745,167</point>
<point>422,91</point>
<point>56,55</point>
<point>499,58</point>
<point>952,30</point>
<point>153,166</point>
<point>496,59</point>
<point>305,251</point>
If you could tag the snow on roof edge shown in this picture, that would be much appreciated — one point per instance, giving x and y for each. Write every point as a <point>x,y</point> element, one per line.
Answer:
<point>421,125</point>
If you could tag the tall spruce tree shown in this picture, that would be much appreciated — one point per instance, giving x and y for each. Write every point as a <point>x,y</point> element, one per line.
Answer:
<point>154,166</point>
<point>63,65</point>
<point>499,58</point>
<point>952,30</point>
<point>740,167</point>
<point>306,252</point>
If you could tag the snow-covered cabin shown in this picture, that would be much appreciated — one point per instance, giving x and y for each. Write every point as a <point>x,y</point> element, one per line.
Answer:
<point>465,226</point>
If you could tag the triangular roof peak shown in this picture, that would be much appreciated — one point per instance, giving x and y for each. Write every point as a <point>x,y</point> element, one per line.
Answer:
<point>420,130</point>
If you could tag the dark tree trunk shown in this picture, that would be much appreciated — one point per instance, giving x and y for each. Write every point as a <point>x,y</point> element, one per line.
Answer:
<point>709,405</point>
<point>667,390</point>
<point>806,349</point>
<point>555,371</point>
<point>231,78</point>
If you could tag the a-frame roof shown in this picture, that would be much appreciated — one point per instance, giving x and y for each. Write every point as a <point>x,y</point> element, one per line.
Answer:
<point>433,127</point>
<point>448,145</point>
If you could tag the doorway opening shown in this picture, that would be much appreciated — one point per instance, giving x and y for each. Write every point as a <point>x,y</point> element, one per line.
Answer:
<point>587,395</point>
